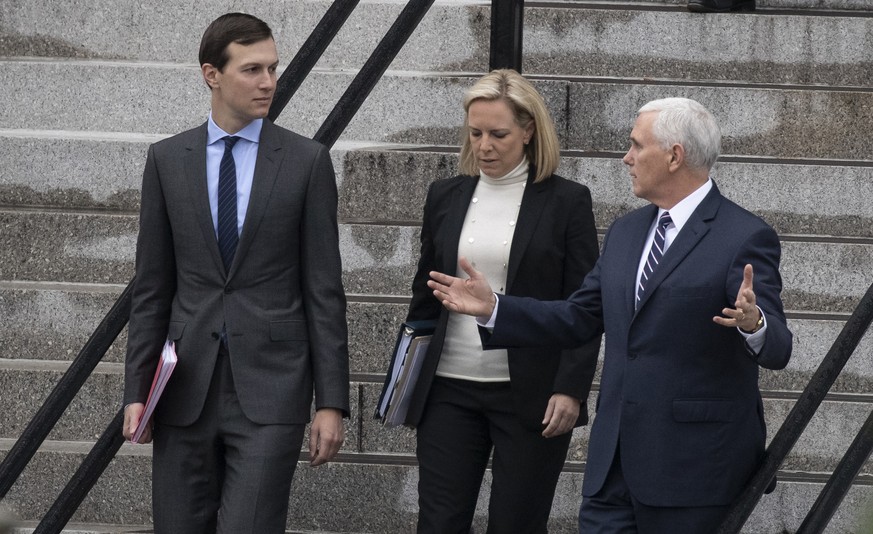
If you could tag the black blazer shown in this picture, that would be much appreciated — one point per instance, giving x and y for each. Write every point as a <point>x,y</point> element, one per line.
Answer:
<point>554,247</point>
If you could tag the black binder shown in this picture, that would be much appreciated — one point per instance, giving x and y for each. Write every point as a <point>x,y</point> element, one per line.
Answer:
<point>409,351</point>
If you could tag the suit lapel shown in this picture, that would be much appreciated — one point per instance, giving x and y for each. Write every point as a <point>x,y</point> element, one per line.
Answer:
<point>195,176</point>
<point>533,201</point>
<point>266,172</point>
<point>454,220</point>
<point>695,228</point>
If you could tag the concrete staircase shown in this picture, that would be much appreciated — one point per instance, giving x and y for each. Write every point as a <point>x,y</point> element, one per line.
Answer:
<point>88,85</point>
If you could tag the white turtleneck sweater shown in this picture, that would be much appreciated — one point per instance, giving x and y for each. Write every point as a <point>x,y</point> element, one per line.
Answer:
<point>486,239</point>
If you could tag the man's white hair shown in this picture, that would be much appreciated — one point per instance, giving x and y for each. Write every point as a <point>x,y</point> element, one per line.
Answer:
<point>686,122</point>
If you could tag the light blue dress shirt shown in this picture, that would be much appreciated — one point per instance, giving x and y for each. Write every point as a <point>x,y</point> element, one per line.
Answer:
<point>245,152</point>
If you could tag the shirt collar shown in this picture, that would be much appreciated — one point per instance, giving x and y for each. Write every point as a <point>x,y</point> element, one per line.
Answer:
<point>251,132</point>
<point>681,212</point>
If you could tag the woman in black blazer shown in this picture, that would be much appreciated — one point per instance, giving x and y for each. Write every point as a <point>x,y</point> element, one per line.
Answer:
<point>532,233</point>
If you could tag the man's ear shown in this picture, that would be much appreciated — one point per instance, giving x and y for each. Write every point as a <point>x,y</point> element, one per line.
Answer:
<point>677,157</point>
<point>210,75</point>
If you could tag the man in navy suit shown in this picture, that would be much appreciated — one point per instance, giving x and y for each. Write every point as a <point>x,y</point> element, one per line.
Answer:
<point>687,292</point>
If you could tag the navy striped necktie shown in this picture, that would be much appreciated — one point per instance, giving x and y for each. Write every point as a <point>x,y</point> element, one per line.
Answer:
<point>655,254</point>
<point>228,235</point>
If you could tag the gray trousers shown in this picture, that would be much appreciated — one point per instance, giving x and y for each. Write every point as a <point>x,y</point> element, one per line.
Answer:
<point>224,473</point>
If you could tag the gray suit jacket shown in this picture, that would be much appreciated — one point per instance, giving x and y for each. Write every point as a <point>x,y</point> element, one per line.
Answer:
<point>282,301</point>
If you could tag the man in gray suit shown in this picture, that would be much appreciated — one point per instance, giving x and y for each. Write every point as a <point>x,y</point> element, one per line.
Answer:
<point>237,263</point>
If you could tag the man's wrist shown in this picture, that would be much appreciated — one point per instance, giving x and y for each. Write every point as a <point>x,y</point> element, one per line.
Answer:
<point>758,324</point>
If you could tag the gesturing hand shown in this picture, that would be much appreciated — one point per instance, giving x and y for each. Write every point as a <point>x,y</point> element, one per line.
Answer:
<point>746,314</point>
<point>472,296</point>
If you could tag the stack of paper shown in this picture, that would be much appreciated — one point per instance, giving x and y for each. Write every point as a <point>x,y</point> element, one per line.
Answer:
<point>409,353</point>
<point>166,364</point>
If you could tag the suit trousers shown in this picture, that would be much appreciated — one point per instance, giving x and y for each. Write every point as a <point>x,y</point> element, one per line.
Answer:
<point>614,510</point>
<point>462,422</point>
<point>224,473</point>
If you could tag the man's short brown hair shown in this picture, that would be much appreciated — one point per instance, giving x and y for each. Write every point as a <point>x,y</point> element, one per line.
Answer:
<point>239,28</point>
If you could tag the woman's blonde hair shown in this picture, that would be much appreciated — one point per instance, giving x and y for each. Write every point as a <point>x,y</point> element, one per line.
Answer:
<point>528,107</point>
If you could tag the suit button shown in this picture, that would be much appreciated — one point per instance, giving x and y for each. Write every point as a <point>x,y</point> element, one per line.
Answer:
<point>632,355</point>
<point>228,290</point>
<point>216,335</point>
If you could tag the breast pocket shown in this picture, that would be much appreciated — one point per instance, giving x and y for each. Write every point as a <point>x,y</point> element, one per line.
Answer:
<point>690,292</point>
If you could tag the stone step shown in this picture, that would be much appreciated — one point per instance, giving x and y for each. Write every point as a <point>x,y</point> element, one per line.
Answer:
<point>822,199</point>
<point>370,498</point>
<point>575,38</point>
<point>592,114</point>
<point>819,449</point>
<point>52,322</point>
<point>825,275</point>
<point>803,6</point>
<point>60,170</point>
<point>28,527</point>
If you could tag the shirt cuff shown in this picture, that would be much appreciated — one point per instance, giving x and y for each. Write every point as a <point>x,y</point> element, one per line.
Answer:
<point>755,341</point>
<point>488,322</point>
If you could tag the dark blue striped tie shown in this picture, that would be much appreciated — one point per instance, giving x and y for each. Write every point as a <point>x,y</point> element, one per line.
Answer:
<point>655,254</point>
<point>228,235</point>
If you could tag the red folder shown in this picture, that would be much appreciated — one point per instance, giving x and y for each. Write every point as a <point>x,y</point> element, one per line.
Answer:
<point>165,368</point>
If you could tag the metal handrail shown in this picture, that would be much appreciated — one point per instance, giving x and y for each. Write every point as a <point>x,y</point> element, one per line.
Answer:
<point>64,391</point>
<point>309,54</point>
<point>507,26</point>
<point>806,406</point>
<point>372,71</point>
<point>89,471</point>
<point>840,481</point>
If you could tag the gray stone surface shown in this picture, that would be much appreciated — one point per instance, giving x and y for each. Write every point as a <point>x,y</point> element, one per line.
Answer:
<point>364,498</point>
<point>791,49</point>
<point>391,184</point>
<point>121,496</point>
<point>763,48</point>
<point>813,339</point>
<point>372,330</point>
<point>71,171</point>
<point>450,34</point>
<point>53,246</point>
<point>26,384</point>
<point>805,5</point>
<point>377,259</point>
<point>25,388</point>
<point>55,322</point>
<point>45,322</point>
<point>74,134</point>
<point>821,200</point>
<point>827,437</point>
<point>763,122</point>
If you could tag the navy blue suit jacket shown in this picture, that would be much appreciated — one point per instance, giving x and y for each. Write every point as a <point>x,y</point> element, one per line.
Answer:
<point>679,395</point>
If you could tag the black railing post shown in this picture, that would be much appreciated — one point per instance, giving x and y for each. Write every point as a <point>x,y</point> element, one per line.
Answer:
<point>800,415</point>
<point>507,23</point>
<point>84,479</point>
<point>840,481</point>
<point>309,54</point>
<point>373,69</point>
<point>64,392</point>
